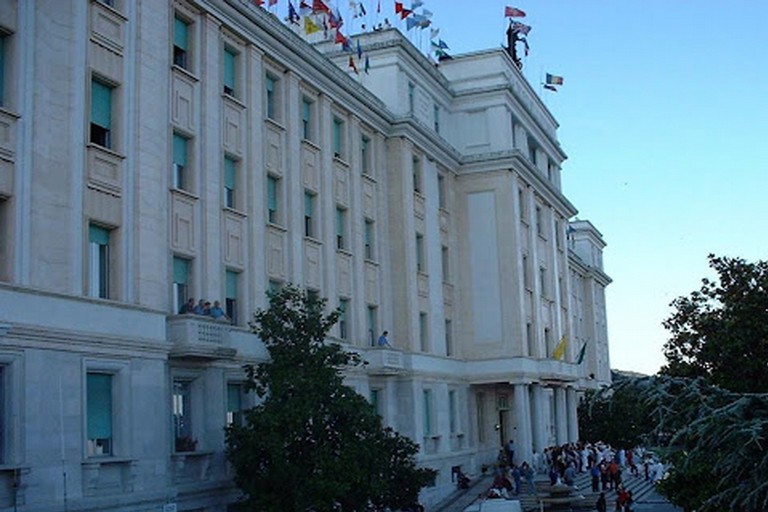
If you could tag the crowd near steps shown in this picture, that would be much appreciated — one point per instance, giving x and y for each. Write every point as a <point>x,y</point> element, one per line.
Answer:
<point>473,498</point>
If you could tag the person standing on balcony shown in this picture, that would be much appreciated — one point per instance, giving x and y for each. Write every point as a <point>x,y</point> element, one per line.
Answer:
<point>383,341</point>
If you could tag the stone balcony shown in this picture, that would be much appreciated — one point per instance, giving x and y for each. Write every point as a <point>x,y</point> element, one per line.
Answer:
<point>195,337</point>
<point>384,361</point>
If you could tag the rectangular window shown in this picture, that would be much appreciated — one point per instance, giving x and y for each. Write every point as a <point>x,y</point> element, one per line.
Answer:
<point>231,297</point>
<point>436,117</point>
<point>371,325</point>
<point>411,97</point>
<point>480,411</point>
<point>543,282</point>
<point>539,221</point>
<point>338,137</point>
<point>180,153</point>
<point>420,256</point>
<point>99,413</point>
<point>427,396</point>
<point>365,154</point>
<point>376,401</point>
<point>271,91</point>
<point>341,226</point>
<point>445,262</point>
<point>448,338</point>
<point>98,262</point>
<point>180,42</point>
<point>417,177</point>
<point>368,240</point>
<point>441,192</point>
<point>526,273</point>
<point>182,416</point>
<point>180,283</point>
<point>529,340</point>
<point>423,332</point>
<point>230,71</point>
<point>344,319</point>
<point>235,403</point>
<point>230,182</point>
<point>306,118</point>
<point>532,151</point>
<point>3,46</point>
<point>272,199</point>
<point>452,411</point>
<point>309,214</point>
<point>523,205</point>
<point>101,113</point>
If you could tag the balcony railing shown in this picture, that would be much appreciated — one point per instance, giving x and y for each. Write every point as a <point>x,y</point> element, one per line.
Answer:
<point>198,337</point>
<point>384,361</point>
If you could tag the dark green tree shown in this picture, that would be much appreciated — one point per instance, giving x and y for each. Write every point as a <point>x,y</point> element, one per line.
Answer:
<point>720,332</point>
<point>614,415</point>
<point>313,443</point>
<point>715,440</point>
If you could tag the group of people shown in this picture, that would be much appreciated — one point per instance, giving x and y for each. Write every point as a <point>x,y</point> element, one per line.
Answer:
<point>204,308</point>
<point>602,462</point>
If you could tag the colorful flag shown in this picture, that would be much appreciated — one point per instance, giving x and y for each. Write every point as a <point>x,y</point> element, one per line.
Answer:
<point>398,7</point>
<point>440,44</point>
<point>340,39</point>
<point>319,6</point>
<point>554,80</point>
<point>405,13</point>
<point>410,23</point>
<point>559,351</point>
<point>352,65</point>
<point>583,350</point>
<point>293,16</point>
<point>442,55</point>
<point>310,27</point>
<point>521,28</point>
<point>525,43</point>
<point>513,12</point>
<point>334,20</point>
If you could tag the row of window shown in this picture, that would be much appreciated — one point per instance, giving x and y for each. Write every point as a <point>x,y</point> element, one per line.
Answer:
<point>182,280</point>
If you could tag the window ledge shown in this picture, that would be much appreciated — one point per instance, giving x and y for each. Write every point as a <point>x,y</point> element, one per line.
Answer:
<point>192,454</point>
<point>109,151</point>
<point>372,262</point>
<point>277,227</point>
<point>275,123</point>
<point>4,111</point>
<point>313,240</point>
<point>107,460</point>
<point>444,209</point>
<point>184,71</point>
<point>339,159</point>
<point>232,99</point>
<point>345,252</point>
<point>369,175</point>
<point>235,212</point>
<point>310,143</point>
<point>14,468</point>
<point>182,192</point>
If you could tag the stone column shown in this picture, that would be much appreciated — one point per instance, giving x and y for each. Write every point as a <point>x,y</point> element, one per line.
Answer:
<point>561,416</point>
<point>573,417</point>
<point>538,418</point>
<point>522,435</point>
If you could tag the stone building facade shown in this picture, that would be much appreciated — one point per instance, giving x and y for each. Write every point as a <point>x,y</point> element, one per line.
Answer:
<point>153,151</point>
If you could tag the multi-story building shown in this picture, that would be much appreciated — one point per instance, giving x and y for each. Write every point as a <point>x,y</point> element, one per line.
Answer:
<point>152,152</point>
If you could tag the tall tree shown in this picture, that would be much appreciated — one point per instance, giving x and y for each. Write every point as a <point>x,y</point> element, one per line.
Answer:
<point>720,332</point>
<point>314,443</point>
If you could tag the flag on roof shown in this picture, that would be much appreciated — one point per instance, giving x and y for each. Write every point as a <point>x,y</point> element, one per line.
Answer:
<point>410,23</point>
<point>525,43</point>
<point>340,39</point>
<point>426,12</point>
<point>513,12</point>
<point>559,351</point>
<point>554,80</point>
<point>359,50</point>
<point>521,28</point>
<point>442,55</point>
<point>293,16</point>
<point>416,4</point>
<point>440,45</point>
<point>335,20</point>
<point>319,6</point>
<point>310,27</point>
<point>550,88</point>
<point>352,65</point>
<point>362,9</point>
<point>405,13</point>
<point>398,7</point>
<point>367,64</point>
<point>582,352</point>
<point>305,8</point>
<point>434,32</point>
<point>378,7</point>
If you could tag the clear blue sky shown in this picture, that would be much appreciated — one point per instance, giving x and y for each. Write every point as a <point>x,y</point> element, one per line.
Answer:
<point>664,115</point>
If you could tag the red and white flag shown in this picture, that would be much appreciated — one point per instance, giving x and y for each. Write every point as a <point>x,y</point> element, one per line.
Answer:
<point>513,12</point>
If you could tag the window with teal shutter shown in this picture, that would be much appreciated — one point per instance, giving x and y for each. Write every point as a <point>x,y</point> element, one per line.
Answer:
<point>180,42</point>
<point>179,162</point>
<point>270,86</point>
<point>231,298</point>
<point>306,118</point>
<point>230,62</point>
<point>99,413</point>
<point>180,283</point>
<point>98,262</point>
<point>230,168</point>
<point>101,114</point>
<point>234,404</point>
<point>272,199</point>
